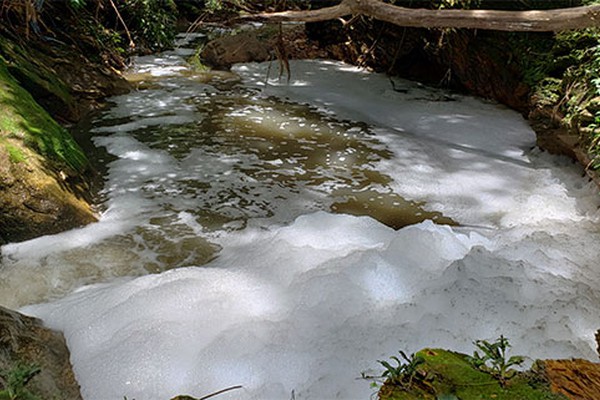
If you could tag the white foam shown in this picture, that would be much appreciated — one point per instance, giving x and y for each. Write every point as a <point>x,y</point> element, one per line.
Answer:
<point>305,306</point>
<point>292,309</point>
<point>468,159</point>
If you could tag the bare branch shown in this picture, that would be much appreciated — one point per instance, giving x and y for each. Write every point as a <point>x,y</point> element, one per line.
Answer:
<point>532,21</point>
<point>322,14</point>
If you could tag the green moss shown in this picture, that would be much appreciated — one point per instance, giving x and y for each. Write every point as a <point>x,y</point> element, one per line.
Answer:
<point>446,374</point>
<point>195,61</point>
<point>15,155</point>
<point>24,119</point>
<point>29,69</point>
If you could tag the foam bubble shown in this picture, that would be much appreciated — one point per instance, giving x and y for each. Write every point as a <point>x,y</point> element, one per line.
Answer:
<point>293,307</point>
<point>302,302</point>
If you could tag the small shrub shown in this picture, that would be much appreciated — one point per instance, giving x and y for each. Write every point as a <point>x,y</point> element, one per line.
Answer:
<point>15,380</point>
<point>493,359</point>
<point>405,372</point>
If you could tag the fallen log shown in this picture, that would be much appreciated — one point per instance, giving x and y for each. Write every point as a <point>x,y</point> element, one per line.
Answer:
<point>515,21</point>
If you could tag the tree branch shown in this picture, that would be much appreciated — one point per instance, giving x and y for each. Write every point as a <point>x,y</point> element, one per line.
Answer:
<point>524,21</point>
<point>322,14</point>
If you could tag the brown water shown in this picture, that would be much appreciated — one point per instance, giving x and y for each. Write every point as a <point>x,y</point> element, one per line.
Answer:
<point>194,155</point>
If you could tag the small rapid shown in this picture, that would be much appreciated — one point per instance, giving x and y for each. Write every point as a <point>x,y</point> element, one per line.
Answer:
<point>283,236</point>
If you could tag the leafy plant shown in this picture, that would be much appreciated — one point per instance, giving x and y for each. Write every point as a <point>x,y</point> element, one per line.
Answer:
<point>493,359</point>
<point>152,21</point>
<point>15,380</point>
<point>594,146</point>
<point>405,372</point>
<point>464,4</point>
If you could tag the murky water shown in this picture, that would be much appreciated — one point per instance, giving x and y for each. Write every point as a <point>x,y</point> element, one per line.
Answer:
<point>196,153</point>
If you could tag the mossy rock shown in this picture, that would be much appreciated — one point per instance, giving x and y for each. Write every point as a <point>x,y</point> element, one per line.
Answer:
<point>40,354</point>
<point>449,375</point>
<point>22,118</point>
<point>41,168</point>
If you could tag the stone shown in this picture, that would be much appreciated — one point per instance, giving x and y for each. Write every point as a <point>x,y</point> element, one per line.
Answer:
<point>25,341</point>
<point>260,45</point>
<point>576,379</point>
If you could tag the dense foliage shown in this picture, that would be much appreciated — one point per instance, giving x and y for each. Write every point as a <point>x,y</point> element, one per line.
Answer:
<point>151,21</point>
<point>564,74</point>
<point>147,25</point>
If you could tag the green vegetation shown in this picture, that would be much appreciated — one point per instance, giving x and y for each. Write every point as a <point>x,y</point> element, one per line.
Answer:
<point>493,359</point>
<point>22,119</point>
<point>27,65</point>
<point>151,22</point>
<point>464,4</point>
<point>14,382</point>
<point>15,155</point>
<point>563,72</point>
<point>405,372</point>
<point>441,374</point>
<point>147,24</point>
<point>213,6</point>
<point>195,61</point>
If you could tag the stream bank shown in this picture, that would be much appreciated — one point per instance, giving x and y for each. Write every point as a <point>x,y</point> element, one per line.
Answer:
<point>45,176</point>
<point>551,78</point>
<point>56,65</point>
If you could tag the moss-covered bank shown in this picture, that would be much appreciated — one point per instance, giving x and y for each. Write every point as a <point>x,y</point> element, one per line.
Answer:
<point>34,361</point>
<point>41,168</point>
<point>44,174</point>
<point>448,375</point>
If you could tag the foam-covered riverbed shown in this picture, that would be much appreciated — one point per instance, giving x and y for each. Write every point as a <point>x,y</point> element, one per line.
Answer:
<point>224,255</point>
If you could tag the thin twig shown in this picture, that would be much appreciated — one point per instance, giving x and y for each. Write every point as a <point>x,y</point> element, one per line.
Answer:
<point>220,392</point>
<point>268,71</point>
<point>131,42</point>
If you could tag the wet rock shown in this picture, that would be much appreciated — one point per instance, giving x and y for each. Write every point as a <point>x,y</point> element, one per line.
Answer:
<point>260,45</point>
<point>35,203</point>
<point>229,50</point>
<point>575,379</point>
<point>44,174</point>
<point>25,342</point>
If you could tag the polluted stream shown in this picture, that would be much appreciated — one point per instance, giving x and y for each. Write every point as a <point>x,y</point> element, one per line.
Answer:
<point>281,237</point>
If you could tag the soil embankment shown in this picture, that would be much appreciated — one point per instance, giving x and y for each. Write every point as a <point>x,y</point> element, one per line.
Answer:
<point>44,174</point>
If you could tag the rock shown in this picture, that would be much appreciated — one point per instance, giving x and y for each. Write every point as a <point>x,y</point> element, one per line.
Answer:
<point>241,48</point>
<point>24,341</point>
<point>44,174</point>
<point>34,203</point>
<point>42,169</point>
<point>260,45</point>
<point>575,379</point>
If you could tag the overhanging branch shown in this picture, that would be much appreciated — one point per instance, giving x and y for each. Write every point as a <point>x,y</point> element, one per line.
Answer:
<point>524,21</point>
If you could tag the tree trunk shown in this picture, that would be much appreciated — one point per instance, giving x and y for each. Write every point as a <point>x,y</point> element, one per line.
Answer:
<point>524,21</point>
